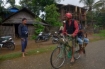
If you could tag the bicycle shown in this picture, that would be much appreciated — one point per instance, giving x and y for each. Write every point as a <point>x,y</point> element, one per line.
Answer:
<point>63,50</point>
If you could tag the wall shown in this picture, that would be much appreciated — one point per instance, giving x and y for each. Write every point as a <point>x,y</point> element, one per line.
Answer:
<point>7,31</point>
<point>31,30</point>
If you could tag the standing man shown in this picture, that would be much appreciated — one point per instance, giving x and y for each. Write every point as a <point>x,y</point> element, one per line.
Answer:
<point>23,33</point>
<point>71,27</point>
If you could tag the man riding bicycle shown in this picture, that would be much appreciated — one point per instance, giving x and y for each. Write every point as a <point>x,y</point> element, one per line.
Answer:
<point>71,27</point>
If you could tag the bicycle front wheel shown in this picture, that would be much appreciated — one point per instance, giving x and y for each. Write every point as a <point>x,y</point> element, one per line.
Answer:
<point>57,57</point>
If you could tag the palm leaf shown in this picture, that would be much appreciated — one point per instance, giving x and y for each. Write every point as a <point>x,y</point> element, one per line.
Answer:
<point>97,5</point>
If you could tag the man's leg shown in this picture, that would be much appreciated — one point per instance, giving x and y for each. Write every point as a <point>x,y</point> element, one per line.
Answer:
<point>72,58</point>
<point>73,44</point>
<point>86,41</point>
<point>25,43</point>
<point>23,47</point>
<point>80,42</point>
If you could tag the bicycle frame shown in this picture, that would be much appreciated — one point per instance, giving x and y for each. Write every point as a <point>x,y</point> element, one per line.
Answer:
<point>67,45</point>
<point>64,44</point>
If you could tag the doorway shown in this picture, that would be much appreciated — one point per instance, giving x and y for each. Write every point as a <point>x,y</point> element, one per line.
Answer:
<point>16,31</point>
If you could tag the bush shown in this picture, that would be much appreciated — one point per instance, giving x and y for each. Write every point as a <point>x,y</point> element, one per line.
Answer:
<point>38,28</point>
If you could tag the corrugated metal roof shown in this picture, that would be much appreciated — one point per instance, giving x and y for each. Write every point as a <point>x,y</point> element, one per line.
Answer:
<point>8,20</point>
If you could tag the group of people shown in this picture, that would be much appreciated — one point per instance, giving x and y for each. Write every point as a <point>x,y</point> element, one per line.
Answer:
<point>70,26</point>
<point>74,27</point>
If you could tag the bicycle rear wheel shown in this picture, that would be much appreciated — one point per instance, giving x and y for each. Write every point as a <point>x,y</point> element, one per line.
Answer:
<point>57,58</point>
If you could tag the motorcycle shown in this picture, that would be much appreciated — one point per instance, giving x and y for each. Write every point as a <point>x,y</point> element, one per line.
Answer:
<point>7,42</point>
<point>55,38</point>
<point>43,37</point>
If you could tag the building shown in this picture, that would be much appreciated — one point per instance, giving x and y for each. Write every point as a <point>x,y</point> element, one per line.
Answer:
<point>77,12</point>
<point>9,26</point>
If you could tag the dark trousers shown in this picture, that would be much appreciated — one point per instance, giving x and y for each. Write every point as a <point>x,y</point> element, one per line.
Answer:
<point>24,44</point>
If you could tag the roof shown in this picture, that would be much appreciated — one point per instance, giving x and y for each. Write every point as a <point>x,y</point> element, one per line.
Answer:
<point>30,17</point>
<point>71,5</point>
<point>13,10</point>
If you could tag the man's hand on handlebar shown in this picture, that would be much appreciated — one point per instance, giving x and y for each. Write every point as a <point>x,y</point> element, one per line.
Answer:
<point>71,35</point>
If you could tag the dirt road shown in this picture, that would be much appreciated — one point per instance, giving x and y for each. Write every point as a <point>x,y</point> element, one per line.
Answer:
<point>95,59</point>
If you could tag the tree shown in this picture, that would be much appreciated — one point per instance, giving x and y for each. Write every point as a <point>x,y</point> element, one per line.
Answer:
<point>37,5</point>
<point>52,20</point>
<point>88,4</point>
<point>100,5</point>
<point>38,27</point>
<point>1,9</point>
<point>52,16</point>
<point>1,2</point>
<point>11,2</point>
<point>100,18</point>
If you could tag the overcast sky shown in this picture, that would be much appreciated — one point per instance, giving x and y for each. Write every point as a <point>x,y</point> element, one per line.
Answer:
<point>73,2</point>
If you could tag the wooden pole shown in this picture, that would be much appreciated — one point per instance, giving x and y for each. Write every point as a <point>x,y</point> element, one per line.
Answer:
<point>75,8</point>
<point>75,12</point>
<point>13,29</point>
<point>62,13</point>
<point>80,15</point>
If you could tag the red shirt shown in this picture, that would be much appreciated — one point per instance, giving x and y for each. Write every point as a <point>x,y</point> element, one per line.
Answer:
<point>75,26</point>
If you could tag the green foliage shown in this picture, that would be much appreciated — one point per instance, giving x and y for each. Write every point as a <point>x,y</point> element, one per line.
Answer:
<point>101,5</point>
<point>1,10</point>
<point>37,5</point>
<point>52,16</point>
<point>88,4</point>
<point>93,4</point>
<point>89,16</point>
<point>99,18</point>
<point>38,28</point>
<point>1,2</point>
<point>11,2</point>
<point>96,26</point>
<point>101,34</point>
<point>96,11</point>
<point>0,20</point>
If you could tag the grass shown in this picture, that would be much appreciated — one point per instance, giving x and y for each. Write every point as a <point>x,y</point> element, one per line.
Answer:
<point>30,52</point>
<point>100,36</point>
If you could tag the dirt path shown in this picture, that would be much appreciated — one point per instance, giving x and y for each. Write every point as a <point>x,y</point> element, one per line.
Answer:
<point>31,45</point>
<point>95,59</point>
